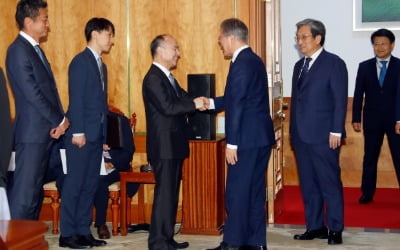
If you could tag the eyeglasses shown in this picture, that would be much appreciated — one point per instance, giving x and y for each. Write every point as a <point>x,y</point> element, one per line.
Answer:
<point>302,37</point>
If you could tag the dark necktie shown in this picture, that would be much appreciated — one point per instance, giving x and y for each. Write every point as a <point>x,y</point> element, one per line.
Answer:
<point>100,65</point>
<point>173,83</point>
<point>303,72</point>
<point>42,58</point>
<point>382,74</point>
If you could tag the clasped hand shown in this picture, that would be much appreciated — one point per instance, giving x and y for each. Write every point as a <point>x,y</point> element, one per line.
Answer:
<point>60,130</point>
<point>202,103</point>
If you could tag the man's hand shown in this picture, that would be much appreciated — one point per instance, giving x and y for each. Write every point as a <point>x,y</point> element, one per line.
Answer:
<point>202,103</point>
<point>109,165</point>
<point>60,130</point>
<point>357,126</point>
<point>79,141</point>
<point>334,141</point>
<point>397,128</point>
<point>106,147</point>
<point>231,156</point>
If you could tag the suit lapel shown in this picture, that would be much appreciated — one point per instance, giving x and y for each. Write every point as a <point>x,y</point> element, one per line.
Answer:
<point>31,50</point>
<point>165,80</point>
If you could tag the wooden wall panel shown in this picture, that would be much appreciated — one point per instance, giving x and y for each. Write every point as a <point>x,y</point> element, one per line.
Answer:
<point>195,25</point>
<point>66,39</point>
<point>8,31</point>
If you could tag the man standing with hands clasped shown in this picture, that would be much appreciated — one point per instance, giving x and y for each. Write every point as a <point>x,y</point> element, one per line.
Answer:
<point>317,119</point>
<point>166,105</point>
<point>87,82</point>
<point>249,135</point>
<point>375,96</point>
<point>39,113</point>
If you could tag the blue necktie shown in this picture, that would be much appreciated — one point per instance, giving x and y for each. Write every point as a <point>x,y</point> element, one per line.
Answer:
<point>303,72</point>
<point>42,58</point>
<point>382,73</point>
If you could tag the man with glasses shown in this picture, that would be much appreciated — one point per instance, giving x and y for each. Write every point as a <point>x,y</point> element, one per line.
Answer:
<point>317,119</point>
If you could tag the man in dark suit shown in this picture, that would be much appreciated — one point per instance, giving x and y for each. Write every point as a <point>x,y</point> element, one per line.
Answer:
<point>84,141</point>
<point>249,135</point>
<point>375,97</point>
<point>116,160</point>
<point>39,114</point>
<point>317,119</point>
<point>6,145</point>
<point>166,105</point>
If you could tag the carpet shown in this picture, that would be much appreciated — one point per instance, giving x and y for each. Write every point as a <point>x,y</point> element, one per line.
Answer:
<point>382,212</point>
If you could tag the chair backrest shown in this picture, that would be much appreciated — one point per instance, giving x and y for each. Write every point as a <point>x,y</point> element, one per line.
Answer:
<point>132,122</point>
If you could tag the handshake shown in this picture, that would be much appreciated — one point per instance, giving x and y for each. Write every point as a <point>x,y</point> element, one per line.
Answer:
<point>202,103</point>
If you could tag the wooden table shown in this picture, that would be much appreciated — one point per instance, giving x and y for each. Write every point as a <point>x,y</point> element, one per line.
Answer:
<point>134,177</point>
<point>24,234</point>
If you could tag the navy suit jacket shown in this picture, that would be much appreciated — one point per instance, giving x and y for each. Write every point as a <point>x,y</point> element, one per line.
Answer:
<point>248,122</point>
<point>166,121</point>
<point>319,106</point>
<point>87,109</point>
<point>379,103</point>
<point>5,130</point>
<point>38,106</point>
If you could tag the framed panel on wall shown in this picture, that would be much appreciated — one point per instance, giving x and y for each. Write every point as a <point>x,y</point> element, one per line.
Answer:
<point>371,15</point>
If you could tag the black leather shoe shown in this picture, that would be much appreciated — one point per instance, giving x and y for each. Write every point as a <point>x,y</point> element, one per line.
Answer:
<point>72,242</point>
<point>90,240</point>
<point>138,227</point>
<point>321,233</point>
<point>335,238</point>
<point>364,199</point>
<point>177,245</point>
<point>225,246</point>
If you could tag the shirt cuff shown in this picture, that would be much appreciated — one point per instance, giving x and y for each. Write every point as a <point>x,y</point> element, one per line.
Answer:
<point>336,134</point>
<point>212,105</point>
<point>62,122</point>
<point>78,134</point>
<point>230,146</point>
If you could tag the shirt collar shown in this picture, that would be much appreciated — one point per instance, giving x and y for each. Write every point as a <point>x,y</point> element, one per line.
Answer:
<point>387,59</point>
<point>316,54</point>
<point>163,69</point>
<point>236,53</point>
<point>29,38</point>
<point>96,55</point>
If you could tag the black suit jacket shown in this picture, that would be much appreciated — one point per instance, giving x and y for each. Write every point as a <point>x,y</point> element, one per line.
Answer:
<point>38,106</point>
<point>121,157</point>
<point>379,103</point>
<point>5,130</point>
<point>166,121</point>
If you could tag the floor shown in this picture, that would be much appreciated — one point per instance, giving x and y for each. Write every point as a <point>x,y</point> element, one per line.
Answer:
<point>279,237</point>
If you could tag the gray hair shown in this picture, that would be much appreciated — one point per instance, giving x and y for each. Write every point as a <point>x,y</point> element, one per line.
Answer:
<point>235,27</point>
<point>317,28</point>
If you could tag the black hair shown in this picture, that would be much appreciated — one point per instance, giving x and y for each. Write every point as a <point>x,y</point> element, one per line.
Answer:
<point>28,8</point>
<point>98,24</point>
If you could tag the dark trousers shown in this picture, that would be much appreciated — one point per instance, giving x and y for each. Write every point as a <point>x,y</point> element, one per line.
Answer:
<point>31,161</point>
<point>372,147</point>
<point>101,195</point>
<point>320,184</point>
<point>245,198</point>
<point>168,174</point>
<point>80,185</point>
